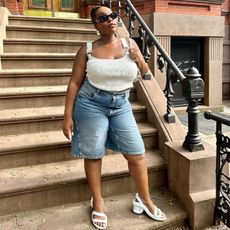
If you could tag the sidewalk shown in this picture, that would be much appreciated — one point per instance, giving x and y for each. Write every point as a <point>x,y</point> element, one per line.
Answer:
<point>207,128</point>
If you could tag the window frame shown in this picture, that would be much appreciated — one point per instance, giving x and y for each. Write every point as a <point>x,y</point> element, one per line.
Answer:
<point>68,9</point>
<point>37,7</point>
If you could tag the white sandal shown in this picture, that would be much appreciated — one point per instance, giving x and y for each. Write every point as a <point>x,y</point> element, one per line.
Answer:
<point>139,207</point>
<point>96,222</point>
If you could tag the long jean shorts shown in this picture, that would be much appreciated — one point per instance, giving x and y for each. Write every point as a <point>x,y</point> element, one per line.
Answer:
<point>104,119</point>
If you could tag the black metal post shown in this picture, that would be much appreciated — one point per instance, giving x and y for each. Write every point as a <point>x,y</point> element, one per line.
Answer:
<point>193,91</point>
<point>192,140</point>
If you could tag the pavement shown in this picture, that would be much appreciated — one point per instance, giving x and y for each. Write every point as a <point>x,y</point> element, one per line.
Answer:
<point>207,128</point>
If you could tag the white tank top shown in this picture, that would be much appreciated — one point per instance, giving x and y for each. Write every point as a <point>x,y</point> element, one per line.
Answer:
<point>111,74</point>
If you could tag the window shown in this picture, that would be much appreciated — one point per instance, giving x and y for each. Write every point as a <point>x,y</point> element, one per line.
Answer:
<point>38,3</point>
<point>67,4</point>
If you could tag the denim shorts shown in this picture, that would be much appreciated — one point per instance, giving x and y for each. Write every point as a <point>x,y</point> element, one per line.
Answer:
<point>104,119</point>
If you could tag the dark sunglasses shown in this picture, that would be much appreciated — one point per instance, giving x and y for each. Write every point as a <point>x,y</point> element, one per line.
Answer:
<point>105,18</point>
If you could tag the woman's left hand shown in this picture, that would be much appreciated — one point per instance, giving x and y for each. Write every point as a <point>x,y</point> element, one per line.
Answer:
<point>135,54</point>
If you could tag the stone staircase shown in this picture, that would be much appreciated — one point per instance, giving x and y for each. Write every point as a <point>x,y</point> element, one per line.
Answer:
<point>41,186</point>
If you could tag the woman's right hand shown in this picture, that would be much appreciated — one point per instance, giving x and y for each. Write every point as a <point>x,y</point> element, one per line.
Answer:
<point>68,127</point>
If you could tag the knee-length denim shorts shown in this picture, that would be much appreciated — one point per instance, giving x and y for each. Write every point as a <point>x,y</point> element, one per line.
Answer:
<point>104,119</point>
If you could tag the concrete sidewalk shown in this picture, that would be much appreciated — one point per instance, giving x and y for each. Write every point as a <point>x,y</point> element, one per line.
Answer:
<point>207,128</point>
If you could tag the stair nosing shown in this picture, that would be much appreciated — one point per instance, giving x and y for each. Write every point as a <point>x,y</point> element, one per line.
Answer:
<point>15,92</point>
<point>39,143</point>
<point>37,55</point>
<point>37,115</point>
<point>50,29</point>
<point>42,41</point>
<point>19,187</point>
<point>33,72</point>
<point>29,91</point>
<point>118,208</point>
<point>34,18</point>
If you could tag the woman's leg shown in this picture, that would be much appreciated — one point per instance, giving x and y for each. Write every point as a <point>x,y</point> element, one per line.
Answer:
<point>138,170</point>
<point>93,174</point>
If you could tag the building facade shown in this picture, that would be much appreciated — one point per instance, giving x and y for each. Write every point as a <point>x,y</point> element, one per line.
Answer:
<point>193,32</point>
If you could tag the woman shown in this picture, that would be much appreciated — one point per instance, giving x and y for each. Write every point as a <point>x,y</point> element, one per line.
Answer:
<point>98,113</point>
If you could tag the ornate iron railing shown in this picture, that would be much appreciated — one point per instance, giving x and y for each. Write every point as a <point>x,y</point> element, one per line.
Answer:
<point>222,205</point>
<point>191,82</point>
<point>3,3</point>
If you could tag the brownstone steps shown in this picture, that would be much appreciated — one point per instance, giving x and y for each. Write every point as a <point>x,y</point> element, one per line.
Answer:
<point>50,22</point>
<point>32,77</point>
<point>37,170</point>
<point>37,60</point>
<point>54,184</point>
<point>30,97</point>
<point>41,46</point>
<point>50,146</point>
<point>41,96</point>
<point>60,33</point>
<point>12,121</point>
<point>118,208</point>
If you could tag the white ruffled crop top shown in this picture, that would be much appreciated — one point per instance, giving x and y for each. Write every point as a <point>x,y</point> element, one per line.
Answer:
<point>111,74</point>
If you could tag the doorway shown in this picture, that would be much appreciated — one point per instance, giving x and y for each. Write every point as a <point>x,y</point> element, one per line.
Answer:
<point>186,52</point>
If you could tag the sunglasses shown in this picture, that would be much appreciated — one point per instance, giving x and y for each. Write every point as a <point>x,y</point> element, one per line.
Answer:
<point>105,18</point>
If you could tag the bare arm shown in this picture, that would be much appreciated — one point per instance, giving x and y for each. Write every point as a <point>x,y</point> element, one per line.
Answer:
<point>76,80</point>
<point>137,56</point>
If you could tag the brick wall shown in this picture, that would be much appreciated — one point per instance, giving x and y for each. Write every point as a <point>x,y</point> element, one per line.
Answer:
<point>226,11</point>
<point>188,7</point>
<point>14,6</point>
<point>149,6</point>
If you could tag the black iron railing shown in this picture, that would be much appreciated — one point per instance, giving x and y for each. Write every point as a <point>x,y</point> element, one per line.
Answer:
<point>3,3</point>
<point>222,205</point>
<point>191,82</point>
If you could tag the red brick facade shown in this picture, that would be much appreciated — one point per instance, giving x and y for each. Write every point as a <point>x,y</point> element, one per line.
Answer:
<point>14,6</point>
<point>172,6</point>
<point>149,6</point>
<point>188,7</point>
<point>226,11</point>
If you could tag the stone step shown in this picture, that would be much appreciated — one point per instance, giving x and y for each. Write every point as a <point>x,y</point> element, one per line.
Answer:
<point>51,146</point>
<point>47,185</point>
<point>41,46</point>
<point>41,96</point>
<point>50,22</point>
<point>34,77</point>
<point>118,209</point>
<point>35,32</point>
<point>30,97</point>
<point>37,60</point>
<point>32,120</point>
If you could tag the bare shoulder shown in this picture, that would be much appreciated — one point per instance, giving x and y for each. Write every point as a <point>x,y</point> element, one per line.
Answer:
<point>81,53</point>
